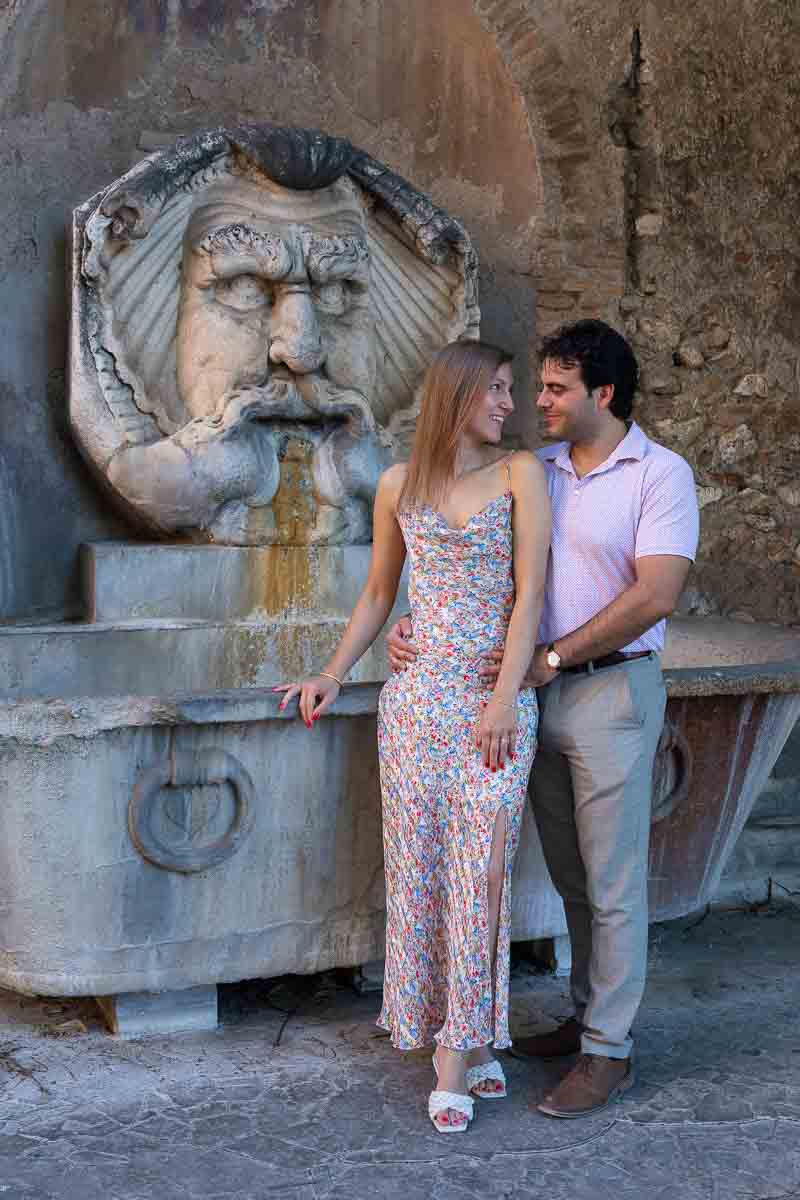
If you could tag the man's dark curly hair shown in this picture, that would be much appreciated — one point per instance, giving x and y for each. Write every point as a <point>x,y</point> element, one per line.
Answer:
<point>603,356</point>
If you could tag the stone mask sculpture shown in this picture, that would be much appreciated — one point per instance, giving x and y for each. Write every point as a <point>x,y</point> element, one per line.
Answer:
<point>252,311</point>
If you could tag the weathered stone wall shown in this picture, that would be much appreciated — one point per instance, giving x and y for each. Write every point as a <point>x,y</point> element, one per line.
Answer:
<point>633,161</point>
<point>708,115</point>
<point>675,137</point>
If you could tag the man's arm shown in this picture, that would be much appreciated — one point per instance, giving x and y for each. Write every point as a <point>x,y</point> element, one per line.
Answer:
<point>666,541</point>
<point>655,594</point>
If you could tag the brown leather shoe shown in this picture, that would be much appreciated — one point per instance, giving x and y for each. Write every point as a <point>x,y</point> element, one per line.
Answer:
<point>592,1083</point>
<point>564,1040</point>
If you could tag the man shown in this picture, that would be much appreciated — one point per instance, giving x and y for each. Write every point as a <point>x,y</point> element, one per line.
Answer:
<point>625,529</point>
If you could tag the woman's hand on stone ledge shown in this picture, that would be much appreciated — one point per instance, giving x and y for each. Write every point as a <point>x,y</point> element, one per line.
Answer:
<point>317,694</point>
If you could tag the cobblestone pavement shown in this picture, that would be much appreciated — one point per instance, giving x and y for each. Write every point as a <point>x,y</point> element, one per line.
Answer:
<point>298,1095</point>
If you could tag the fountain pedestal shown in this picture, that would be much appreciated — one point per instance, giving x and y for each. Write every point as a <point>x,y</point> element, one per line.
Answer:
<point>186,839</point>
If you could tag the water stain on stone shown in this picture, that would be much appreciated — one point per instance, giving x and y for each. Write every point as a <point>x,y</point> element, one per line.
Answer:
<point>294,505</point>
<point>281,575</point>
<point>251,652</point>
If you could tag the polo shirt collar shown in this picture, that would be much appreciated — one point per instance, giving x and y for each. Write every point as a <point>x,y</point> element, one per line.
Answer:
<point>558,454</point>
<point>632,446</point>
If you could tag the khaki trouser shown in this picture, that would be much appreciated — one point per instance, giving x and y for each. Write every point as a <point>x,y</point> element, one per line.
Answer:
<point>592,788</point>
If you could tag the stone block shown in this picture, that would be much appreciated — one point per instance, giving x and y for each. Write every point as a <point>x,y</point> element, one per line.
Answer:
<point>221,616</point>
<point>139,657</point>
<point>649,224</point>
<point>735,447</point>
<point>717,337</point>
<point>154,1014</point>
<point>752,385</point>
<point>691,356</point>
<point>790,494</point>
<point>298,887</point>
<point>562,956</point>
<point>369,977</point>
<point>131,581</point>
<point>708,495</point>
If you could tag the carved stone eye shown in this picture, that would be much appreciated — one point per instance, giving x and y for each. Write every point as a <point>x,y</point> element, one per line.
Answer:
<point>243,292</point>
<point>331,297</point>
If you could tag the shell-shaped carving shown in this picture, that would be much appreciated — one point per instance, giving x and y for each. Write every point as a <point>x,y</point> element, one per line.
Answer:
<point>140,294</point>
<point>134,269</point>
<point>301,159</point>
<point>418,308</point>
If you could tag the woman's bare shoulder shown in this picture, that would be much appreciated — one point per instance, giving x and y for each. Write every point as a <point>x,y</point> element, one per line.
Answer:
<point>392,479</point>
<point>395,475</point>
<point>525,465</point>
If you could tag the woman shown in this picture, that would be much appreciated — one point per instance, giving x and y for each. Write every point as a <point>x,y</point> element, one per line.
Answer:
<point>455,753</point>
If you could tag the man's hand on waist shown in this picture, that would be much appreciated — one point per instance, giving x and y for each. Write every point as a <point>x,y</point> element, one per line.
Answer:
<point>402,651</point>
<point>537,675</point>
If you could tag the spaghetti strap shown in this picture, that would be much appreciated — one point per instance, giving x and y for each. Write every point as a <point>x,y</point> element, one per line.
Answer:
<point>508,471</point>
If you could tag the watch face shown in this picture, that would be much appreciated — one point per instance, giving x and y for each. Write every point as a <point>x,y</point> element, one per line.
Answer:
<point>554,660</point>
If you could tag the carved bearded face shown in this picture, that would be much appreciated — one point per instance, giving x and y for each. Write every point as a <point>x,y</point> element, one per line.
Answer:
<point>275,286</point>
<point>245,352</point>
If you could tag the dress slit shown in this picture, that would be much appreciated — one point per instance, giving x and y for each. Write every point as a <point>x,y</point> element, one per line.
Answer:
<point>494,967</point>
<point>502,954</point>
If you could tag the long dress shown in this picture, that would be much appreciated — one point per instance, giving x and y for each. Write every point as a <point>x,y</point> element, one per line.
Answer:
<point>440,801</point>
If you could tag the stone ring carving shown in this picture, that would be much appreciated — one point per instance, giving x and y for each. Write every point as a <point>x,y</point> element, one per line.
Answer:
<point>150,802</point>
<point>672,772</point>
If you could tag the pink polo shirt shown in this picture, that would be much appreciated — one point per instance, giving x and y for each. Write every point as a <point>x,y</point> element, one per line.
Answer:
<point>640,501</point>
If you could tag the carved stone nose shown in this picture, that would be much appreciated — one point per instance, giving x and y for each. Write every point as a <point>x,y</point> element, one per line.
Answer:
<point>295,336</point>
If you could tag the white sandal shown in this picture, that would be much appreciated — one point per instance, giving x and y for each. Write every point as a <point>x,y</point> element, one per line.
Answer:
<point>484,1071</point>
<point>439,1102</point>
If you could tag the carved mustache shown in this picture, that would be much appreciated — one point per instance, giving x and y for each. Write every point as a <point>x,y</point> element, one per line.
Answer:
<point>307,397</point>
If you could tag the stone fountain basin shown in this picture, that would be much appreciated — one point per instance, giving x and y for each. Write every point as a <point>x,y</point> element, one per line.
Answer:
<point>168,841</point>
<point>733,692</point>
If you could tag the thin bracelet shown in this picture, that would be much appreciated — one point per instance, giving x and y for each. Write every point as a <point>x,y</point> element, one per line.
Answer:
<point>328,675</point>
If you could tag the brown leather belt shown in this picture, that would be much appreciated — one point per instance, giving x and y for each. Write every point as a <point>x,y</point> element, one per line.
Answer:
<point>607,660</point>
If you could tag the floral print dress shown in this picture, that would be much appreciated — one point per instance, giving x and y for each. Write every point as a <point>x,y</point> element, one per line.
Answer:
<point>440,802</point>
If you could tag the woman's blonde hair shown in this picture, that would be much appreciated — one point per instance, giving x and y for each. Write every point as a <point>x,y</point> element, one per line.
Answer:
<point>454,383</point>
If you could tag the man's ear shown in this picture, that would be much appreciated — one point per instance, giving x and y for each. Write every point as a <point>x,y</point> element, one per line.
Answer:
<point>603,395</point>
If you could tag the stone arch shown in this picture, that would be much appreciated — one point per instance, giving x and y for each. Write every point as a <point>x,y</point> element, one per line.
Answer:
<point>578,269</point>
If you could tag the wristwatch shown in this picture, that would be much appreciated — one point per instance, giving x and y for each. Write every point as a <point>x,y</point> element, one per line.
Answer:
<point>553,657</point>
